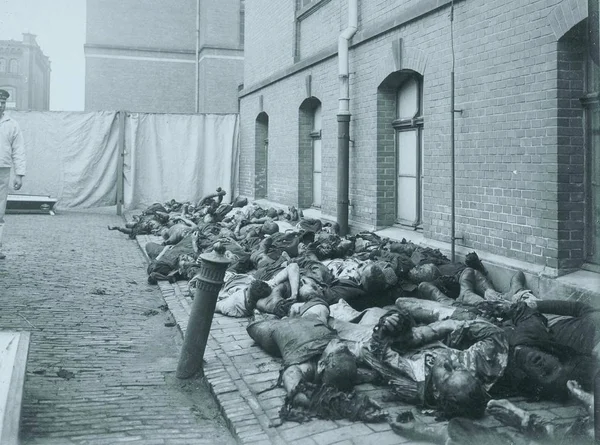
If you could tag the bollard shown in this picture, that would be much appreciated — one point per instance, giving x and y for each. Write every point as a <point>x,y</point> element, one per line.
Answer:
<point>212,271</point>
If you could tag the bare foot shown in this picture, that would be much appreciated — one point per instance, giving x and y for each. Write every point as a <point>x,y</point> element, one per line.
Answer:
<point>507,413</point>
<point>530,424</point>
<point>585,398</point>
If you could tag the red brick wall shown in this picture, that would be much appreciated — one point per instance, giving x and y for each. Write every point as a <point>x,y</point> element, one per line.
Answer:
<point>518,139</point>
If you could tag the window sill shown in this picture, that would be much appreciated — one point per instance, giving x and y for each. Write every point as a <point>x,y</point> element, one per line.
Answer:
<point>307,10</point>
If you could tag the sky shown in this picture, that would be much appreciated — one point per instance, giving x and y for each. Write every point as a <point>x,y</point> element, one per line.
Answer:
<point>59,26</point>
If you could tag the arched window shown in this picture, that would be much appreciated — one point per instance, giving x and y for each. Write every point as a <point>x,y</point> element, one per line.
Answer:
<point>309,153</point>
<point>13,66</point>
<point>2,65</point>
<point>408,126</point>
<point>316,146</point>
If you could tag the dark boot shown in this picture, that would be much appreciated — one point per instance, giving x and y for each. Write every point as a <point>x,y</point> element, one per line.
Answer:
<point>467,282</point>
<point>483,286</point>
<point>428,291</point>
<point>517,283</point>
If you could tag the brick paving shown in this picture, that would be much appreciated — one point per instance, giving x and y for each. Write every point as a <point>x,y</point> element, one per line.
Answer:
<point>82,293</point>
<point>101,361</point>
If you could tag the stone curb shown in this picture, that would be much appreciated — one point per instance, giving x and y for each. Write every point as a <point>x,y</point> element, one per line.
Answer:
<point>245,417</point>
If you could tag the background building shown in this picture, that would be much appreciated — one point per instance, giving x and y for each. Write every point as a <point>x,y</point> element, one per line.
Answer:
<point>141,56</point>
<point>527,137</point>
<point>25,74</point>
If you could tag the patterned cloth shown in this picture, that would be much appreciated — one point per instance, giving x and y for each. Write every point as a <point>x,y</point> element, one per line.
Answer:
<point>232,297</point>
<point>480,347</point>
<point>346,269</point>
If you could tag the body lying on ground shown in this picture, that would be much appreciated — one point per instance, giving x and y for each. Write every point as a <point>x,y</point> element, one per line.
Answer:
<point>551,341</point>
<point>534,429</point>
<point>485,340</point>
<point>453,376</point>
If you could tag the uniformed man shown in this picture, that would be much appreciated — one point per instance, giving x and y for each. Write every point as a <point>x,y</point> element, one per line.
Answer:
<point>12,153</point>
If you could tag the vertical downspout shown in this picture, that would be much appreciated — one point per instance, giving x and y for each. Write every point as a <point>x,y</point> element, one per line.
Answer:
<point>452,154</point>
<point>343,118</point>
<point>197,56</point>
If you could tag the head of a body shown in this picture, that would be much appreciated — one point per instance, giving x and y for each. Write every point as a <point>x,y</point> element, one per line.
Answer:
<point>337,366</point>
<point>458,392</point>
<point>544,374</point>
<point>372,278</point>
<point>309,289</point>
<point>256,290</point>
<point>269,228</point>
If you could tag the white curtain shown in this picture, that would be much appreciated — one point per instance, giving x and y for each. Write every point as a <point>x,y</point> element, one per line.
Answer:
<point>181,157</point>
<point>72,156</point>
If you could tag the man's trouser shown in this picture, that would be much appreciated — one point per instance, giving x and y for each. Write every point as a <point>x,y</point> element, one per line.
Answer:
<point>4,184</point>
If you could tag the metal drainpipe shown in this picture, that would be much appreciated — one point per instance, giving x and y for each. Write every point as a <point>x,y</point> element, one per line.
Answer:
<point>453,110</point>
<point>452,173</point>
<point>343,118</point>
<point>197,56</point>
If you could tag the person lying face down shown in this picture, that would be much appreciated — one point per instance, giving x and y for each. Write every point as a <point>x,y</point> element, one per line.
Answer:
<point>310,349</point>
<point>319,371</point>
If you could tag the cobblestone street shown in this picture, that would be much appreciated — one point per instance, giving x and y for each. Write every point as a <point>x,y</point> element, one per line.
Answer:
<point>104,348</point>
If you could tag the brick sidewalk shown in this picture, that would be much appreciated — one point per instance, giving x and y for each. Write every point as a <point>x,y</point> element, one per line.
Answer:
<point>238,372</point>
<point>101,366</point>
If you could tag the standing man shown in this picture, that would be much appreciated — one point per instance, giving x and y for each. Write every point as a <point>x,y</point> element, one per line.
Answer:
<point>12,152</point>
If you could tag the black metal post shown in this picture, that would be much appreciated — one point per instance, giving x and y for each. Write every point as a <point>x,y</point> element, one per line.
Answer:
<point>212,271</point>
<point>343,173</point>
<point>452,174</point>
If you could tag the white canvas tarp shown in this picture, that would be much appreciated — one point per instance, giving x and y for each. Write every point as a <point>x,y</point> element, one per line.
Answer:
<point>73,156</point>
<point>181,157</point>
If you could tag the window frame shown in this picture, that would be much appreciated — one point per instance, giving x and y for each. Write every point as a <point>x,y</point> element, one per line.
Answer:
<point>415,123</point>
<point>316,134</point>
<point>13,63</point>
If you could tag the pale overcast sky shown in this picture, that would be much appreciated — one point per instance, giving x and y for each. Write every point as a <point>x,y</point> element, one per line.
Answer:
<point>60,29</point>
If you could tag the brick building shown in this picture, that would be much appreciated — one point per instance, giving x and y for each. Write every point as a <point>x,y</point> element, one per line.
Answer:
<point>25,74</point>
<point>143,56</point>
<point>527,145</point>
